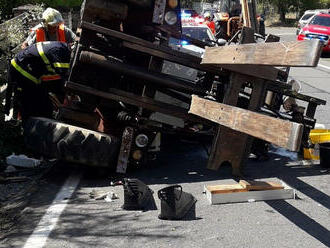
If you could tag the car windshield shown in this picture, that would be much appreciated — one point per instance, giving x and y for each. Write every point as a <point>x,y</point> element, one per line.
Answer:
<point>321,21</point>
<point>198,33</point>
<point>306,17</point>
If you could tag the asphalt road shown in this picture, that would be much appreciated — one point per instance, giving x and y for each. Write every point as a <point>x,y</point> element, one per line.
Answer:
<point>314,81</point>
<point>63,214</point>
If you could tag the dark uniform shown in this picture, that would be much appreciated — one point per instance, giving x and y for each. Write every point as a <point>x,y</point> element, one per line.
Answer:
<point>37,70</point>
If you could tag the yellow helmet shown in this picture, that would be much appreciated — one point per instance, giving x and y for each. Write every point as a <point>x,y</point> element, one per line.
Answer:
<point>52,17</point>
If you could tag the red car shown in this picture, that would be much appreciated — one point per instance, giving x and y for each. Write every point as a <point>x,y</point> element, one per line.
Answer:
<point>318,28</point>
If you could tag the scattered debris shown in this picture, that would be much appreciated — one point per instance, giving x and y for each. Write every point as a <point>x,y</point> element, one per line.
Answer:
<point>108,196</point>
<point>22,161</point>
<point>111,196</point>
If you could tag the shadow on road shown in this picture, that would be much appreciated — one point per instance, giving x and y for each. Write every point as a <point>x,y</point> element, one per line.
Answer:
<point>301,220</point>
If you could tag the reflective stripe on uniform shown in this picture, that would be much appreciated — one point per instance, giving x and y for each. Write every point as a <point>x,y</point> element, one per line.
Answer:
<point>50,77</point>
<point>44,57</point>
<point>24,73</point>
<point>61,65</point>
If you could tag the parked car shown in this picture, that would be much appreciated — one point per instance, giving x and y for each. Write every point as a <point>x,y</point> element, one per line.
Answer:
<point>306,17</point>
<point>196,31</point>
<point>317,28</point>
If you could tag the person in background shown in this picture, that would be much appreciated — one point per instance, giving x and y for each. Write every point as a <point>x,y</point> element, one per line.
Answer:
<point>208,21</point>
<point>51,28</point>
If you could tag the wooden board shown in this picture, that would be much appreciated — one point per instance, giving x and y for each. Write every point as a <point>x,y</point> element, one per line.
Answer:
<point>244,186</point>
<point>229,145</point>
<point>260,185</point>
<point>265,72</point>
<point>250,196</point>
<point>226,188</point>
<point>279,132</point>
<point>293,53</point>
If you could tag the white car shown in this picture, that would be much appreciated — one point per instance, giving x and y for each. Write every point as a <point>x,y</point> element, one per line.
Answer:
<point>198,32</point>
<point>307,16</point>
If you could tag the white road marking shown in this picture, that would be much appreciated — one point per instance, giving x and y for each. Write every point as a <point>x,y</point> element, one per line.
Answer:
<point>323,66</point>
<point>40,234</point>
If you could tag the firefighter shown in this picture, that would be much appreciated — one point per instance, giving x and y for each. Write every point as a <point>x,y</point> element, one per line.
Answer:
<point>36,71</point>
<point>208,22</point>
<point>52,28</point>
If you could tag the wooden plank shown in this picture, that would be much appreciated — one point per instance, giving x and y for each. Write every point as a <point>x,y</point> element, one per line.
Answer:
<point>245,14</point>
<point>263,195</point>
<point>253,14</point>
<point>244,186</point>
<point>279,132</point>
<point>293,53</point>
<point>265,72</point>
<point>260,185</point>
<point>247,36</point>
<point>228,144</point>
<point>226,188</point>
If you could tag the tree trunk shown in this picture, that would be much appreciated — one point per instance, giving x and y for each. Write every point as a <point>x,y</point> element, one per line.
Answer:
<point>282,16</point>
<point>282,9</point>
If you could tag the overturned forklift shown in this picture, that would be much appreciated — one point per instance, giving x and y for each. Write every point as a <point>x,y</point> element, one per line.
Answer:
<point>122,100</point>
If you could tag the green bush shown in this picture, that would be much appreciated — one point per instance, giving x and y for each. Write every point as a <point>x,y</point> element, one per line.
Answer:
<point>6,6</point>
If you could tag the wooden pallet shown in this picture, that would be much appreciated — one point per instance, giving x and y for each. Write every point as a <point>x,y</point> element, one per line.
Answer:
<point>248,191</point>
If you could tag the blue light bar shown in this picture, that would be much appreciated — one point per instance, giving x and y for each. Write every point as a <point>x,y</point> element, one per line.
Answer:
<point>184,43</point>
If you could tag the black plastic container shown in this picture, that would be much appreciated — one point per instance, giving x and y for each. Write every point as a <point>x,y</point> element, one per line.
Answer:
<point>176,204</point>
<point>325,155</point>
<point>137,195</point>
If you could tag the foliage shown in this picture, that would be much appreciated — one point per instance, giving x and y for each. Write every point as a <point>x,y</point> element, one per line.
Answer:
<point>12,34</point>
<point>60,3</point>
<point>6,6</point>
<point>285,6</point>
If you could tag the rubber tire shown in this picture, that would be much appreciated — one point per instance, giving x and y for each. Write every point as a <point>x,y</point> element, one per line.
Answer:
<point>54,139</point>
